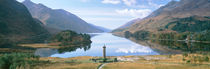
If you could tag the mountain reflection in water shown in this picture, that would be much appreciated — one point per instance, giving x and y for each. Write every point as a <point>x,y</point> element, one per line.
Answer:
<point>118,46</point>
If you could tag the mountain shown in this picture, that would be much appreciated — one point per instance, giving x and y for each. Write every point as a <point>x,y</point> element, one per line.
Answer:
<point>59,18</point>
<point>128,24</point>
<point>101,28</point>
<point>172,12</point>
<point>17,24</point>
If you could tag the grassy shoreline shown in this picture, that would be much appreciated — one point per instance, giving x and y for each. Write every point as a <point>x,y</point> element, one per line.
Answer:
<point>131,62</point>
<point>42,45</point>
<point>181,61</point>
<point>39,46</point>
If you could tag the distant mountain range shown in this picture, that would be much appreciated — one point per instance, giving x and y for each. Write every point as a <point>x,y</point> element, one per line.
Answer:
<point>37,23</point>
<point>101,28</point>
<point>59,19</point>
<point>174,11</point>
<point>17,24</point>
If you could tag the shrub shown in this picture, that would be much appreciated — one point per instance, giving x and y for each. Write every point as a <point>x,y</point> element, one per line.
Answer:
<point>206,59</point>
<point>16,60</point>
<point>188,61</point>
<point>185,54</point>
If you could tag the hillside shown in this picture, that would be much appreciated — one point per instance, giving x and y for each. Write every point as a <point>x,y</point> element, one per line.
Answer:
<point>190,24</point>
<point>17,24</point>
<point>172,12</point>
<point>128,24</point>
<point>59,18</point>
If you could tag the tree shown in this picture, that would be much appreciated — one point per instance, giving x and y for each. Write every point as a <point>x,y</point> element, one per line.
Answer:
<point>68,37</point>
<point>141,35</point>
<point>128,34</point>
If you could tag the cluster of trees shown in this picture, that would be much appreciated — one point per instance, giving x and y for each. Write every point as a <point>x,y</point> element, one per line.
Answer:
<point>171,36</point>
<point>128,34</point>
<point>4,28</point>
<point>18,61</point>
<point>190,24</point>
<point>183,46</point>
<point>142,35</point>
<point>139,35</point>
<point>207,17</point>
<point>73,48</point>
<point>195,58</point>
<point>197,36</point>
<point>202,36</point>
<point>190,28</point>
<point>5,42</point>
<point>71,38</point>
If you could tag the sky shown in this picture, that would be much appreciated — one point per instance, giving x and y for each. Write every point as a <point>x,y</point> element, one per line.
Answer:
<point>110,14</point>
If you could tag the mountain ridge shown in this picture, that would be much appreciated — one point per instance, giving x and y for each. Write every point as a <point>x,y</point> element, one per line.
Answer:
<point>59,18</point>
<point>158,19</point>
<point>16,21</point>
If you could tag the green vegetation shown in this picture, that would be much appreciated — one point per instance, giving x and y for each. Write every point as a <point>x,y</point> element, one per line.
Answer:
<point>195,58</point>
<point>139,35</point>
<point>4,28</point>
<point>192,28</point>
<point>18,25</point>
<point>192,61</point>
<point>68,37</point>
<point>73,48</point>
<point>104,60</point>
<point>170,36</point>
<point>202,36</point>
<point>144,35</point>
<point>128,34</point>
<point>196,36</point>
<point>18,61</point>
<point>5,42</point>
<point>8,46</point>
<point>185,47</point>
<point>190,24</point>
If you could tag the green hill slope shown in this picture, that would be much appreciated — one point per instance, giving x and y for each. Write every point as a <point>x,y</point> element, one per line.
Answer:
<point>17,24</point>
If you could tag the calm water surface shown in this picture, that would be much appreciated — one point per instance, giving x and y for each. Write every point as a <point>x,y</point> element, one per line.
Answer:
<point>116,46</point>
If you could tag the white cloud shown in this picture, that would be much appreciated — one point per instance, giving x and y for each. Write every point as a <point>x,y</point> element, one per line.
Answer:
<point>129,2</point>
<point>140,13</point>
<point>155,5</point>
<point>111,1</point>
<point>126,2</point>
<point>135,3</point>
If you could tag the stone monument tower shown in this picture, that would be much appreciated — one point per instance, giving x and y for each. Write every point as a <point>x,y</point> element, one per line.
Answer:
<point>104,52</point>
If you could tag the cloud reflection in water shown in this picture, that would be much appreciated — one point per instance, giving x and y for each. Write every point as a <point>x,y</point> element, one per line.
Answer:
<point>134,49</point>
